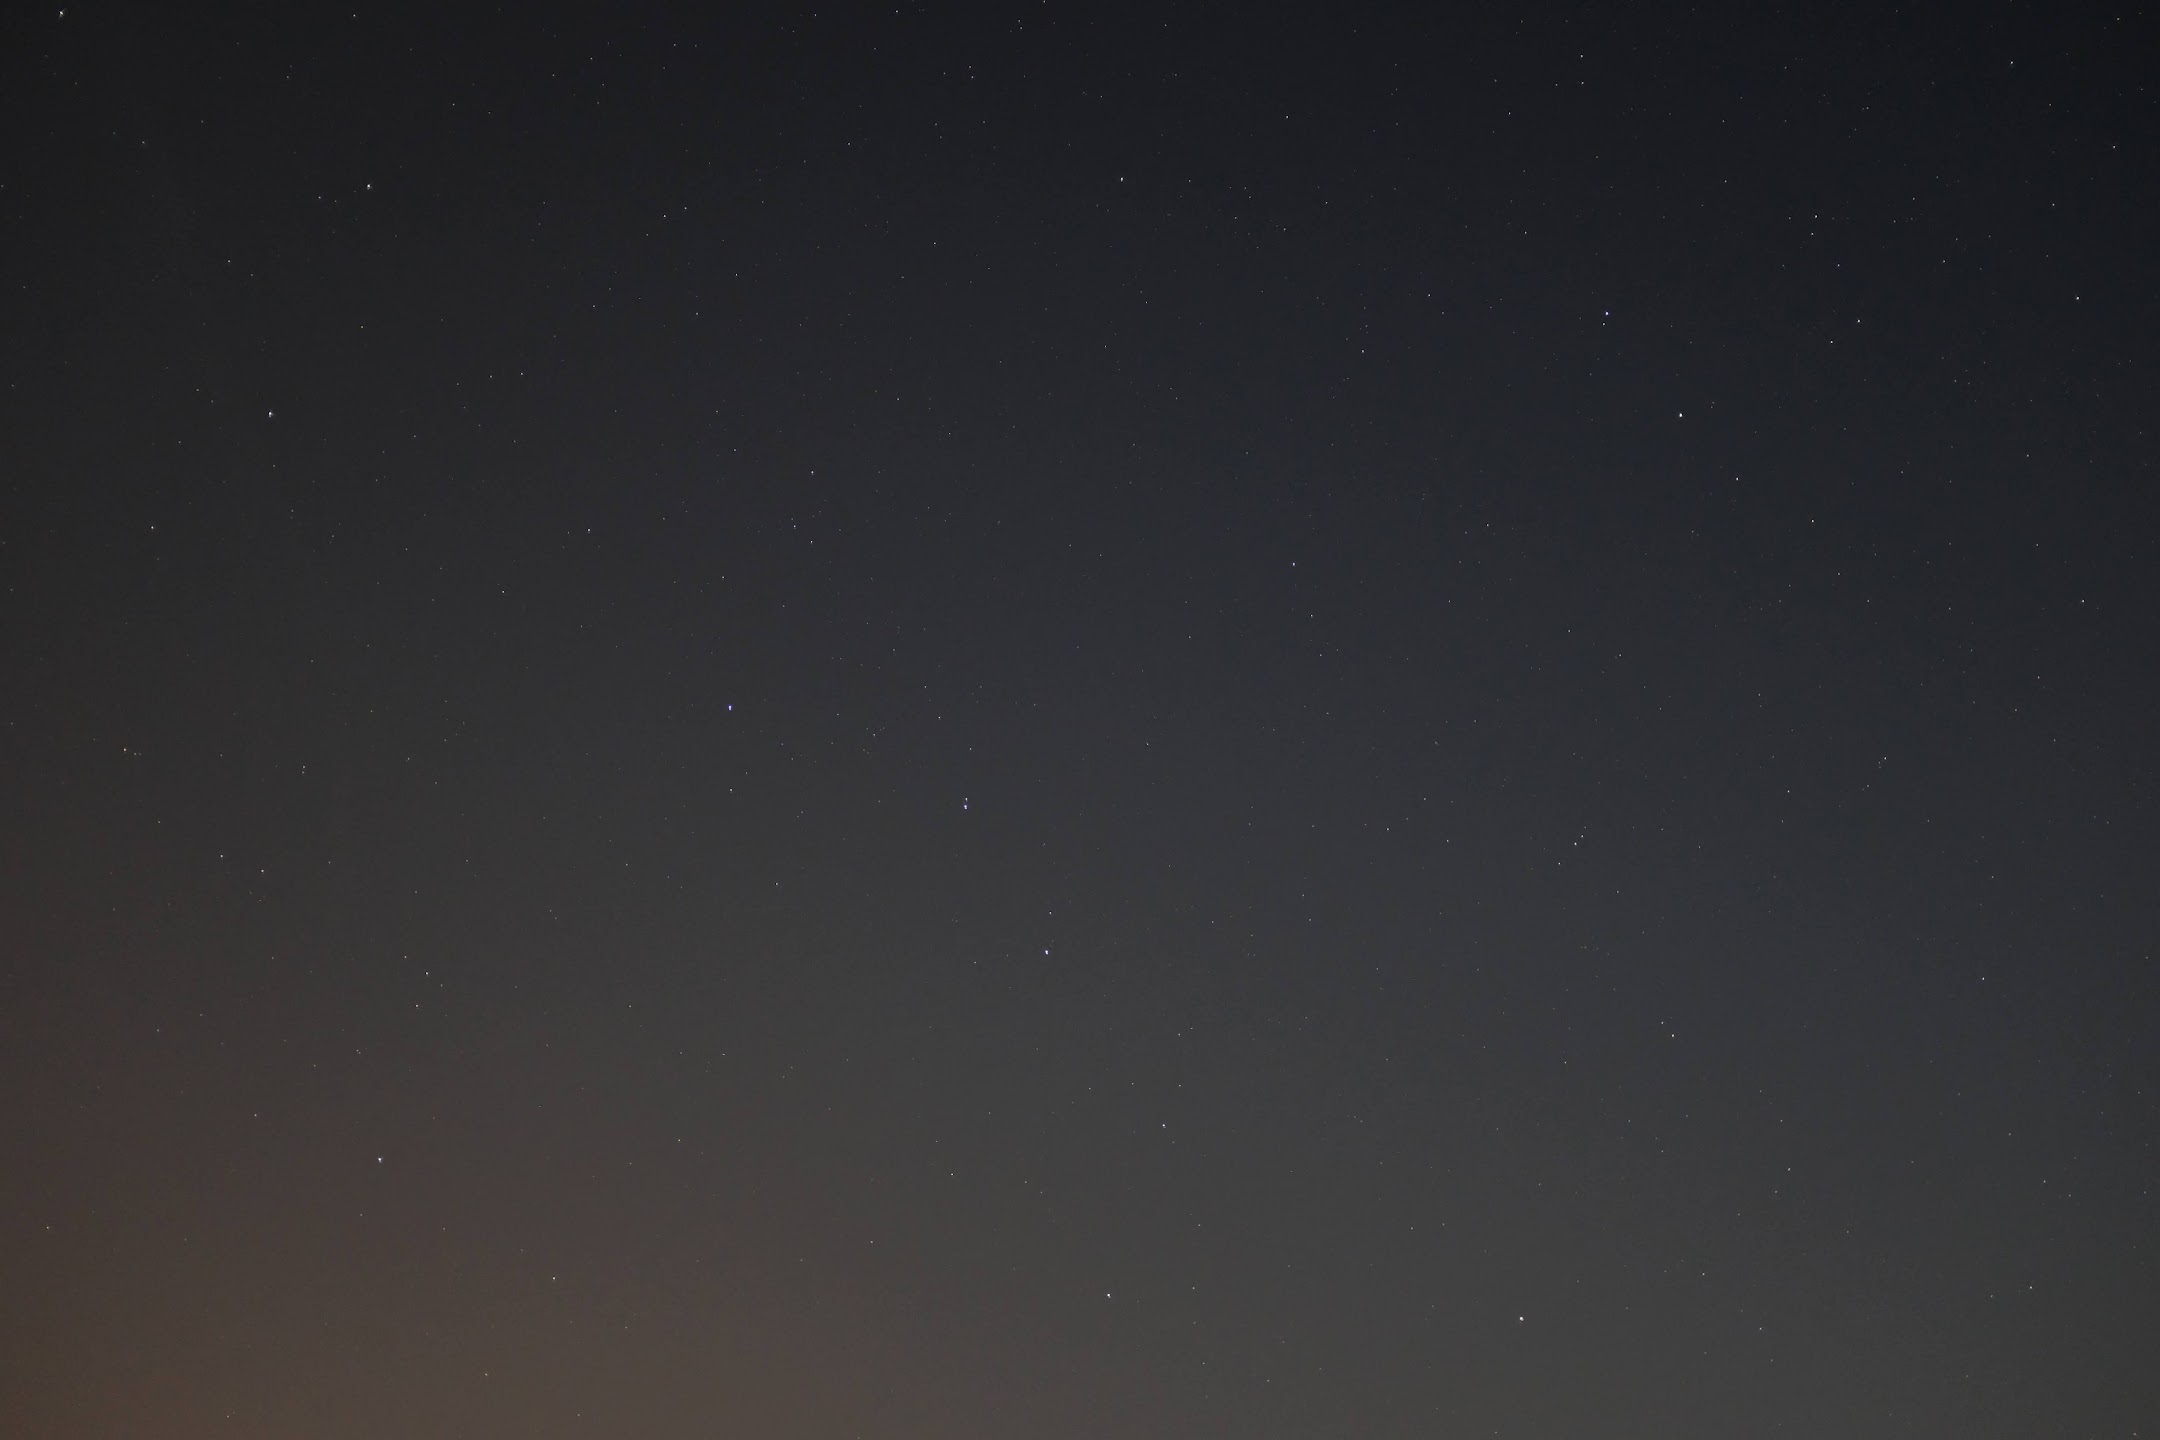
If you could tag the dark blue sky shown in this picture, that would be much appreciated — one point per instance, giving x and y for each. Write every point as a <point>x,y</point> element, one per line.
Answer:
<point>1038,721</point>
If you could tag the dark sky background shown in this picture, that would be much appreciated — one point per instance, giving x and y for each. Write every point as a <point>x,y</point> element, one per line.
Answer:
<point>1043,722</point>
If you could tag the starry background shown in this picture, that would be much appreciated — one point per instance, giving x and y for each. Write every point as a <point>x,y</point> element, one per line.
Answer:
<point>1033,721</point>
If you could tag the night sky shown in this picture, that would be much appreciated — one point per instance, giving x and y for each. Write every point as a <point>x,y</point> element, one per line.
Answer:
<point>1048,723</point>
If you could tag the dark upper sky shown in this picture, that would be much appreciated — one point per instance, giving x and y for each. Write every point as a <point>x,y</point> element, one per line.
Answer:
<point>1028,722</point>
